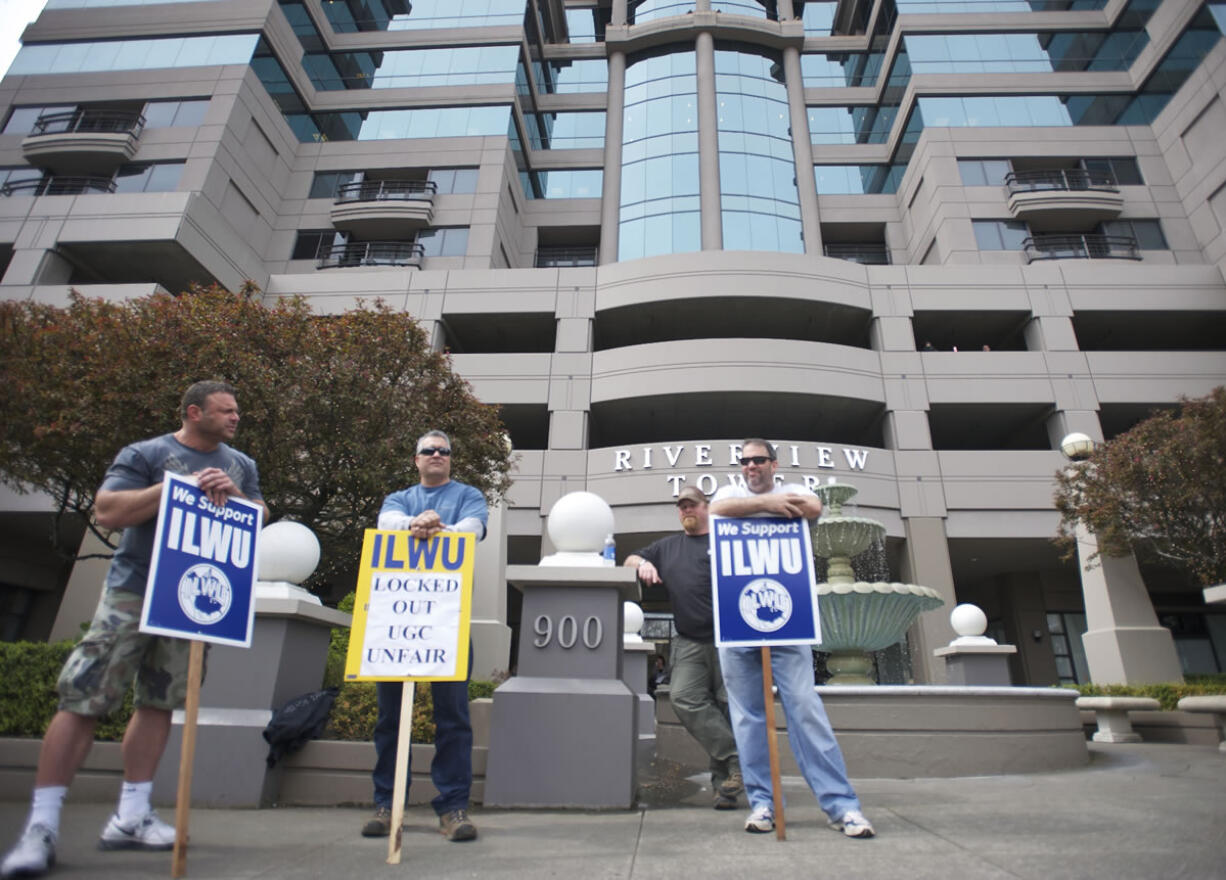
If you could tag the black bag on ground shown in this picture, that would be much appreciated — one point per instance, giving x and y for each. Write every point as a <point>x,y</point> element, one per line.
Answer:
<point>297,722</point>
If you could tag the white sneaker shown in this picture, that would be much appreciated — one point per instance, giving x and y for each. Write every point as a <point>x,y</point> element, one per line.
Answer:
<point>760,821</point>
<point>32,855</point>
<point>147,832</point>
<point>853,824</point>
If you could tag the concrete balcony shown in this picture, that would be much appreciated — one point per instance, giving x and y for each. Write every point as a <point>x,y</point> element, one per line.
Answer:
<point>384,208</point>
<point>84,141</point>
<point>1063,198</point>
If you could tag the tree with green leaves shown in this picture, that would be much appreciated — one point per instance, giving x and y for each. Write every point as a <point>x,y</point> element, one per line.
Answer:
<point>332,405</point>
<point>1158,490</point>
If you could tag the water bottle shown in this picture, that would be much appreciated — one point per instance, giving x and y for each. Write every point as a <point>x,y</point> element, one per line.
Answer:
<point>610,551</point>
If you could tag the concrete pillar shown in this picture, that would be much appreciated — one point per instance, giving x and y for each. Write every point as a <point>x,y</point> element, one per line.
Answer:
<point>491,637</point>
<point>926,562</point>
<point>1124,643</point>
<point>611,189</point>
<point>564,730</point>
<point>802,147</point>
<point>708,145</point>
<point>242,687</point>
<point>619,15</point>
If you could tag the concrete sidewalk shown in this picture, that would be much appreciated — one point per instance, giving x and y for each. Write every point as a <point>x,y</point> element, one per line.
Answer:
<point>1137,811</point>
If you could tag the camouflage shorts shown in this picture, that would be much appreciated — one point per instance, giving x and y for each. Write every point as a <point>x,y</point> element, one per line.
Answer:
<point>115,652</point>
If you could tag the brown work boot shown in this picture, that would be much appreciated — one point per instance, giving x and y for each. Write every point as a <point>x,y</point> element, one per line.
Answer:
<point>457,826</point>
<point>722,802</point>
<point>732,786</point>
<point>380,824</point>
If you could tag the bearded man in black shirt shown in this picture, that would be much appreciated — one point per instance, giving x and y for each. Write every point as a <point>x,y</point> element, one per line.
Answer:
<point>681,563</point>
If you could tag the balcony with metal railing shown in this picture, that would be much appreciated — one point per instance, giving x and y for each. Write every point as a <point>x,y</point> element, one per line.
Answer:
<point>385,208</point>
<point>551,257</point>
<point>1081,247</point>
<point>372,253</point>
<point>1063,197</point>
<point>84,140</point>
<point>58,186</point>
<point>868,254</point>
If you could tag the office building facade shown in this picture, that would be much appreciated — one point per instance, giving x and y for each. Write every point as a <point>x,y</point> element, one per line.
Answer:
<point>913,242</point>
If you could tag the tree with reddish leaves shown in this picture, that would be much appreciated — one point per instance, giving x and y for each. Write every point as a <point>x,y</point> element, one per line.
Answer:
<point>332,405</point>
<point>1158,490</point>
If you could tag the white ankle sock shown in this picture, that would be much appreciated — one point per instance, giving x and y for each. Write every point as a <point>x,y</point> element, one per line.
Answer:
<point>133,800</point>
<point>45,806</point>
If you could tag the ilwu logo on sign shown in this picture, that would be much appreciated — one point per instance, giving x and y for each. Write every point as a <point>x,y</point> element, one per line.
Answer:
<point>764,591</point>
<point>203,571</point>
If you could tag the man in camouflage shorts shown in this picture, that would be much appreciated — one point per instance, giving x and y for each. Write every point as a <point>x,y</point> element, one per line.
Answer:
<point>114,653</point>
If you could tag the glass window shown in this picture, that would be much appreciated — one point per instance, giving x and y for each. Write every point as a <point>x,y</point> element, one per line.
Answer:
<point>983,172</point>
<point>857,179</point>
<point>563,184</point>
<point>818,17</point>
<point>133,54</point>
<point>22,119</point>
<point>1123,168</point>
<point>1000,235</point>
<point>162,114</point>
<point>578,76</point>
<point>1148,233</point>
<point>581,25</point>
<point>454,180</point>
<point>159,177</point>
<point>560,131</point>
<point>445,242</point>
<point>310,244</point>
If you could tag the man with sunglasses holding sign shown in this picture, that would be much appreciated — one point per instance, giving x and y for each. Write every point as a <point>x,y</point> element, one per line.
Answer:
<point>436,504</point>
<point>813,744</point>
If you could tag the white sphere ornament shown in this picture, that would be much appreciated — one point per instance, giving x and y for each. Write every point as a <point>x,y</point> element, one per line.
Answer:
<point>579,522</point>
<point>633,622</point>
<point>289,551</point>
<point>1076,446</point>
<point>969,622</point>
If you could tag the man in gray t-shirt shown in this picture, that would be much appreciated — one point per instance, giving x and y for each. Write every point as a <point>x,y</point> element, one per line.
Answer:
<point>114,653</point>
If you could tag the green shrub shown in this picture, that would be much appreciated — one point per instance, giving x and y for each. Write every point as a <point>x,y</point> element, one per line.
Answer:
<point>1168,694</point>
<point>27,690</point>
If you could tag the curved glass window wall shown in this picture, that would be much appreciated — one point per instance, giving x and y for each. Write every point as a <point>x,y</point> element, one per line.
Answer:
<point>659,194</point>
<point>740,7</point>
<point>412,68</point>
<point>96,57</point>
<point>758,199</point>
<point>581,25</point>
<point>649,10</point>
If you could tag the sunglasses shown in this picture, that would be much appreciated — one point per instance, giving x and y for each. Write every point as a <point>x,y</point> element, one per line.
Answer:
<point>429,451</point>
<point>755,459</point>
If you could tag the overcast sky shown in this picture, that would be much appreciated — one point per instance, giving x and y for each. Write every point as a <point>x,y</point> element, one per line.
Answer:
<point>14,16</point>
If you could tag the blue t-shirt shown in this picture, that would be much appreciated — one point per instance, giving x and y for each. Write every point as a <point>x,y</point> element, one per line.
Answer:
<point>141,465</point>
<point>452,501</point>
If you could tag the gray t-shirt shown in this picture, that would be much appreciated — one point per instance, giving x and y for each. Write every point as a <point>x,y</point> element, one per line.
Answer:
<point>142,464</point>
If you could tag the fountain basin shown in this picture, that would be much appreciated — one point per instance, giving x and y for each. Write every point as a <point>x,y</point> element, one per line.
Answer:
<point>864,616</point>
<point>845,535</point>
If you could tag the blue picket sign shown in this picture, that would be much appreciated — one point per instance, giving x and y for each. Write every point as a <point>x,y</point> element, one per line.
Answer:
<point>762,581</point>
<point>203,571</point>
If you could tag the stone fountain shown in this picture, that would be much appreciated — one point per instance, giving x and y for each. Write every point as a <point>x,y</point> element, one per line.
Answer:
<point>858,616</point>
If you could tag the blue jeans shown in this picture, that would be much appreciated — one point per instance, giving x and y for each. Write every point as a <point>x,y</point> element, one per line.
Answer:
<point>452,767</point>
<point>813,744</point>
